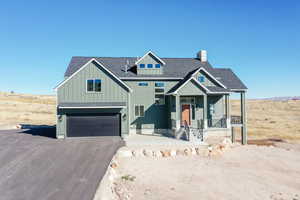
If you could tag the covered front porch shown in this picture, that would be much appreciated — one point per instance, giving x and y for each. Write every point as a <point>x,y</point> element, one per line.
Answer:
<point>197,112</point>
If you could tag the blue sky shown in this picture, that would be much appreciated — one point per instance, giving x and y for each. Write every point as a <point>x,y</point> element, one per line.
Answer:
<point>259,40</point>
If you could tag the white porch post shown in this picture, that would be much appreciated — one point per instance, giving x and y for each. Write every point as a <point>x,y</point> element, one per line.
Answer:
<point>177,102</point>
<point>227,110</point>
<point>204,111</point>
<point>244,120</point>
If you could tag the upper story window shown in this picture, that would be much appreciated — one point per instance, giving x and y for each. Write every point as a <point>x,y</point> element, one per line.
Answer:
<point>149,65</point>
<point>201,79</point>
<point>157,65</point>
<point>143,84</point>
<point>159,84</point>
<point>159,93</point>
<point>142,65</point>
<point>93,85</point>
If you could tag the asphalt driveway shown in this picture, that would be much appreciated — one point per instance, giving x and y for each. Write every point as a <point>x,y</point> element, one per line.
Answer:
<point>34,166</point>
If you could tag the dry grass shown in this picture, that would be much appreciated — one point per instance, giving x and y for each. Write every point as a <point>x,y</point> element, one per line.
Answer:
<point>266,119</point>
<point>272,119</point>
<point>26,109</point>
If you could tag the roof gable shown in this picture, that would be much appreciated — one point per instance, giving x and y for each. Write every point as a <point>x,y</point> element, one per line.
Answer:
<point>99,64</point>
<point>151,55</point>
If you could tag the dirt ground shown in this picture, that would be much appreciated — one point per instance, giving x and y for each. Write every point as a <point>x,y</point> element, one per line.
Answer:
<point>243,172</point>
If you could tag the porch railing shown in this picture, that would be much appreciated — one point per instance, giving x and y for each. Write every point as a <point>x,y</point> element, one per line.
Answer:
<point>235,119</point>
<point>217,123</point>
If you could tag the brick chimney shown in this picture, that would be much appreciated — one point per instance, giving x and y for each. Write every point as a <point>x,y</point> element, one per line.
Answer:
<point>202,55</point>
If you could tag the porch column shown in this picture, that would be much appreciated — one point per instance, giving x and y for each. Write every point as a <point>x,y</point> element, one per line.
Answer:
<point>227,110</point>
<point>177,103</point>
<point>204,111</point>
<point>244,120</point>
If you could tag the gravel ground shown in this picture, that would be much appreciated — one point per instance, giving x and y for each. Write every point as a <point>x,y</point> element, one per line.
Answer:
<point>243,172</point>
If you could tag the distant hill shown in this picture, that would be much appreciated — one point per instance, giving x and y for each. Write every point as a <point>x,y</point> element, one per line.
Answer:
<point>282,98</point>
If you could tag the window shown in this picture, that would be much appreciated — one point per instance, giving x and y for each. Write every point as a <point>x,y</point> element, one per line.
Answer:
<point>201,78</point>
<point>142,65</point>
<point>157,65</point>
<point>97,85</point>
<point>159,84</point>
<point>159,93</point>
<point>143,84</point>
<point>150,66</point>
<point>193,112</point>
<point>90,85</point>
<point>139,111</point>
<point>93,85</point>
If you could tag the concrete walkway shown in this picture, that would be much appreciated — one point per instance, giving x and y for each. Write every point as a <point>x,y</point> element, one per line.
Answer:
<point>35,166</point>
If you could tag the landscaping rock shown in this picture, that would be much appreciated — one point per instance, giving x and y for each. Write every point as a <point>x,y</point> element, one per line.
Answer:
<point>147,153</point>
<point>165,153</point>
<point>157,154</point>
<point>187,152</point>
<point>173,152</point>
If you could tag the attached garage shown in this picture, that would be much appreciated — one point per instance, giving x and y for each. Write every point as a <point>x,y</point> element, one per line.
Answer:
<point>85,125</point>
<point>93,119</point>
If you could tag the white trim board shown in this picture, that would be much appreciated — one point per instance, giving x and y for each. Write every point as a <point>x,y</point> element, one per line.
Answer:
<point>85,107</point>
<point>150,52</point>
<point>191,78</point>
<point>86,64</point>
<point>211,76</point>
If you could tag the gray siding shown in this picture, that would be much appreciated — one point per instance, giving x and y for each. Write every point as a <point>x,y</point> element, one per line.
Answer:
<point>74,90</point>
<point>191,88</point>
<point>149,60</point>
<point>156,116</point>
<point>208,81</point>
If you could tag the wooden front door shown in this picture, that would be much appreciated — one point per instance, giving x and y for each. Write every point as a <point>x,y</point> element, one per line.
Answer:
<point>185,114</point>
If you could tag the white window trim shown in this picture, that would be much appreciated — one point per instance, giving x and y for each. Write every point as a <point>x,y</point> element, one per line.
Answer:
<point>94,84</point>
<point>211,76</point>
<point>156,87</point>
<point>139,110</point>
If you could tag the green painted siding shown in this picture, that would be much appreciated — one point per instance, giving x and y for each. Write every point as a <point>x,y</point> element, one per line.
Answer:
<point>208,81</point>
<point>156,116</point>
<point>191,88</point>
<point>149,60</point>
<point>74,90</point>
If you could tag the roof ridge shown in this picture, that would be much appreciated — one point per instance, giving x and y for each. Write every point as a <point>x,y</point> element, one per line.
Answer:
<point>129,57</point>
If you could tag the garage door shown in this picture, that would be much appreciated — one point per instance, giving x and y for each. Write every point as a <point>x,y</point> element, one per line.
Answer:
<point>93,125</point>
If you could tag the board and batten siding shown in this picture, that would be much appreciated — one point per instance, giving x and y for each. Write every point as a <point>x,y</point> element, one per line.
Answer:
<point>191,89</point>
<point>156,116</point>
<point>74,91</point>
<point>207,81</point>
<point>148,59</point>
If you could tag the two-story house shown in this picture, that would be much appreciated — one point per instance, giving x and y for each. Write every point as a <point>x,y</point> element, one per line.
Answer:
<point>121,96</point>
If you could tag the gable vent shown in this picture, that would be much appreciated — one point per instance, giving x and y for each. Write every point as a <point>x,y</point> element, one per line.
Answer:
<point>202,55</point>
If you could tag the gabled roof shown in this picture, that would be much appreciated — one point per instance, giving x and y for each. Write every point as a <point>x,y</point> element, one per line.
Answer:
<point>211,76</point>
<point>150,53</point>
<point>174,68</point>
<point>86,64</point>
<point>182,83</point>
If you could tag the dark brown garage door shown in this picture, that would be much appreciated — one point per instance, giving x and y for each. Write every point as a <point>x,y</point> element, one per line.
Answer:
<point>84,125</point>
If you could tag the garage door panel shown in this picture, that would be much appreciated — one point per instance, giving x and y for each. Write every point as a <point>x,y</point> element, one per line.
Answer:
<point>95,125</point>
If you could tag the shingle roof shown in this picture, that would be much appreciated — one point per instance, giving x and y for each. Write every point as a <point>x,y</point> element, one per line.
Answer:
<point>228,78</point>
<point>174,67</point>
<point>217,89</point>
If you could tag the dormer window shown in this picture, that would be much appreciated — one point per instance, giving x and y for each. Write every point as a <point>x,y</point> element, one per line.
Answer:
<point>157,65</point>
<point>142,65</point>
<point>201,79</point>
<point>149,65</point>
